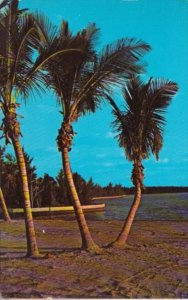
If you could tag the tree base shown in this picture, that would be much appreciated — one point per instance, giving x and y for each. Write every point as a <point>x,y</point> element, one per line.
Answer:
<point>93,248</point>
<point>7,220</point>
<point>122,246</point>
<point>38,256</point>
<point>117,245</point>
<point>34,255</point>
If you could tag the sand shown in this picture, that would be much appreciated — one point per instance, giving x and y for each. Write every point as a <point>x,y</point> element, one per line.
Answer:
<point>156,266</point>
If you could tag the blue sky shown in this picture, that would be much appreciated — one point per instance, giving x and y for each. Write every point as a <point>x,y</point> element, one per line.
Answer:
<point>161,23</point>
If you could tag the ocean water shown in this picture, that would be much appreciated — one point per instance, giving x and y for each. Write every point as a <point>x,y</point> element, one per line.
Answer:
<point>153,207</point>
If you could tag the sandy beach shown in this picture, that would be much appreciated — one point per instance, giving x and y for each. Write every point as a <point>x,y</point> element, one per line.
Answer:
<point>155,266</point>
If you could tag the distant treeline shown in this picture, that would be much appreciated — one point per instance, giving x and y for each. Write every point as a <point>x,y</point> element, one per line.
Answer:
<point>53,191</point>
<point>165,189</point>
<point>112,190</point>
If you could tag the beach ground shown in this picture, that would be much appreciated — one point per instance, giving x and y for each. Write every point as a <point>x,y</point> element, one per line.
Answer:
<point>156,266</point>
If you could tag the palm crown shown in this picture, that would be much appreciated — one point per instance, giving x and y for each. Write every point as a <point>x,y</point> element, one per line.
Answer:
<point>140,125</point>
<point>82,80</point>
<point>30,41</point>
<point>18,31</point>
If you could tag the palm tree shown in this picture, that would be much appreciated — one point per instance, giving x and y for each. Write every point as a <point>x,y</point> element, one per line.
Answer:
<point>16,30</point>
<point>139,130</point>
<point>21,70</point>
<point>5,211</point>
<point>80,83</point>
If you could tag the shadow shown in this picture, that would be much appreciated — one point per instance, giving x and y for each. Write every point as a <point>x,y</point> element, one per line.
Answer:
<point>8,258</point>
<point>62,250</point>
<point>45,253</point>
<point>17,247</point>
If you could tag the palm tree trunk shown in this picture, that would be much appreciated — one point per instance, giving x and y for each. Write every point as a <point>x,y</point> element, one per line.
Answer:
<point>122,238</point>
<point>32,249</point>
<point>5,212</point>
<point>137,178</point>
<point>87,241</point>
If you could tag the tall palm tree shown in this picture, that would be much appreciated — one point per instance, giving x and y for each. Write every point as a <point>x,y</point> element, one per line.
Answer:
<point>139,129</point>
<point>16,30</point>
<point>80,83</point>
<point>21,70</point>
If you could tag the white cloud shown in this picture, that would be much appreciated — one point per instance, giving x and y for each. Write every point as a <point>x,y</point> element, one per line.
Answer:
<point>97,134</point>
<point>100,155</point>
<point>122,154</point>
<point>163,161</point>
<point>46,108</point>
<point>110,134</point>
<point>109,164</point>
<point>130,0</point>
<point>52,149</point>
<point>185,159</point>
<point>59,17</point>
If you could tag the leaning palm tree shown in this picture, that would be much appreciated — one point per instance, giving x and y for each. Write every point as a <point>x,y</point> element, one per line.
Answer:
<point>5,211</point>
<point>80,83</point>
<point>21,71</point>
<point>139,130</point>
<point>3,205</point>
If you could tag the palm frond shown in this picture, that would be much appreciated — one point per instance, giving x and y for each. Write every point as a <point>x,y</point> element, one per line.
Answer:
<point>47,32</point>
<point>140,126</point>
<point>117,62</point>
<point>123,56</point>
<point>84,77</point>
<point>4,3</point>
<point>67,76</point>
<point>161,92</point>
<point>90,35</point>
<point>64,30</point>
<point>44,58</point>
<point>22,47</point>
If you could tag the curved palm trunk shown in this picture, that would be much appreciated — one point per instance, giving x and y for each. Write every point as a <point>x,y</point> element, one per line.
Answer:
<point>5,212</point>
<point>137,178</point>
<point>32,249</point>
<point>122,238</point>
<point>87,241</point>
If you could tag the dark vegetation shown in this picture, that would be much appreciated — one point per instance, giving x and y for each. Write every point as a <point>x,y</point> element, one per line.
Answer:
<point>50,191</point>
